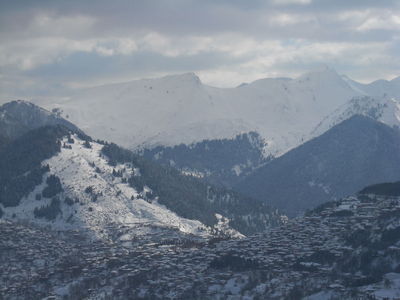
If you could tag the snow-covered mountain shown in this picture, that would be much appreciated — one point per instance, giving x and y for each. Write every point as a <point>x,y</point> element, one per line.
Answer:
<point>180,109</point>
<point>91,196</point>
<point>59,177</point>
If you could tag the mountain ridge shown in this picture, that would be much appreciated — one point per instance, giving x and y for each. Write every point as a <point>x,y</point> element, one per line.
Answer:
<point>188,111</point>
<point>357,152</point>
<point>18,117</point>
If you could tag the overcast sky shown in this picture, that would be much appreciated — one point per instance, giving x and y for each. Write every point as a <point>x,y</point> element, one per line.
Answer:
<point>50,47</point>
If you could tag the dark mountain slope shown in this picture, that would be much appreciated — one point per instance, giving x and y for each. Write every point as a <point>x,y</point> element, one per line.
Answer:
<point>222,161</point>
<point>384,189</point>
<point>21,166</point>
<point>356,153</point>
<point>193,198</point>
<point>3,141</point>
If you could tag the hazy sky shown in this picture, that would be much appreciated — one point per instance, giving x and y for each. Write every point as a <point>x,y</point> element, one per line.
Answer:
<point>49,47</point>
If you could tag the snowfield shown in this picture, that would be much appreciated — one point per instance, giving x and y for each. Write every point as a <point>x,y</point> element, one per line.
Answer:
<point>111,202</point>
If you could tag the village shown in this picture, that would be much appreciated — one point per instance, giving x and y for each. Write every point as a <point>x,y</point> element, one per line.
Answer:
<point>306,255</point>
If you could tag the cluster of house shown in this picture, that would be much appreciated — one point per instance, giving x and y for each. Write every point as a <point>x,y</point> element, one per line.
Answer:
<point>295,259</point>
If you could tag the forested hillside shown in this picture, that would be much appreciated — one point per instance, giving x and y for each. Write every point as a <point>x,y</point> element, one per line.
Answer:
<point>355,153</point>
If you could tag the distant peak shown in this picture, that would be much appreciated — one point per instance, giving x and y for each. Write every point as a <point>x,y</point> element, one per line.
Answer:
<point>326,75</point>
<point>380,81</point>
<point>18,103</point>
<point>325,69</point>
<point>322,71</point>
<point>184,77</point>
<point>23,102</point>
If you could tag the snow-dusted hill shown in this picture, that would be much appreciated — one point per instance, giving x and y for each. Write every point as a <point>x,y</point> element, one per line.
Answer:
<point>19,117</point>
<point>59,177</point>
<point>180,109</point>
<point>94,198</point>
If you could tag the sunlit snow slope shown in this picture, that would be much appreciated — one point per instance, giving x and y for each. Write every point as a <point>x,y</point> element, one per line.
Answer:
<point>110,202</point>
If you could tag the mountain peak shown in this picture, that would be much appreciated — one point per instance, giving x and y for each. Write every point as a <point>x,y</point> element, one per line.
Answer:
<point>189,77</point>
<point>19,102</point>
<point>19,116</point>
<point>359,118</point>
<point>323,72</point>
<point>359,123</point>
<point>325,78</point>
<point>18,108</point>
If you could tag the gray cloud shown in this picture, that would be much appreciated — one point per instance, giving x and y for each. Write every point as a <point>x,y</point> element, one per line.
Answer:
<point>58,44</point>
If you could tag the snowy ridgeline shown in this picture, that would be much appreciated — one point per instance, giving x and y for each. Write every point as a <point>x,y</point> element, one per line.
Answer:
<point>383,109</point>
<point>180,109</point>
<point>93,197</point>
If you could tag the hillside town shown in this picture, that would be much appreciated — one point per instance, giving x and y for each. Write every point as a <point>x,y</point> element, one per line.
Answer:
<point>304,257</point>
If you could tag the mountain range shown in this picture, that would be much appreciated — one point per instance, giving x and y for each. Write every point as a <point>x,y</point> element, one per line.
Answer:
<point>198,201</point>
<point>179,121</point>
<point>290,144</point>
<point>180,109</point>
<point>57,176</point>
